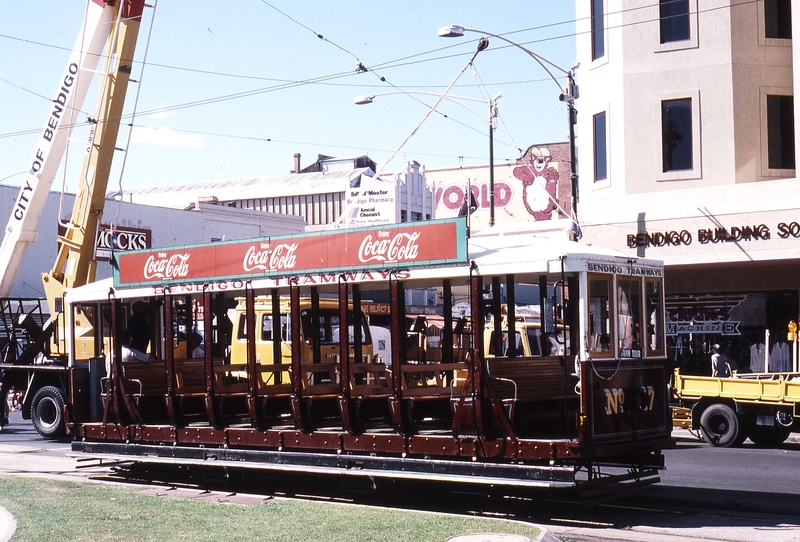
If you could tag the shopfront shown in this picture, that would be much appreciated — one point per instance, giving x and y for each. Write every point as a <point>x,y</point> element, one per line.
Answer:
<point>731,279</point>
<point>751,327</point>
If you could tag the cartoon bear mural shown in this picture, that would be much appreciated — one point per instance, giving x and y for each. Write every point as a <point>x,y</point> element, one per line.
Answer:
<point>539,184</point>
<point>534,187</point>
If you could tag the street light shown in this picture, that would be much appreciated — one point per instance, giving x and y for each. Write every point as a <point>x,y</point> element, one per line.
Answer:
<point>492,103</point>
<point>13,175</point>
<point>483,43</point>
<point>567,94</point>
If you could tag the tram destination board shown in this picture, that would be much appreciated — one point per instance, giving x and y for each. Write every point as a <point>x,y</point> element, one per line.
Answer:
<point>394,246</point>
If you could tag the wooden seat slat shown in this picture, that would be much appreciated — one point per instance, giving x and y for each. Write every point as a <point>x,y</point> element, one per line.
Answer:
<point>536,378</point>
<point>147,378</point>
<point>371,390</point>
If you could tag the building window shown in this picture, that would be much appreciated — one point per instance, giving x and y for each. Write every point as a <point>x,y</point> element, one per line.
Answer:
<point>600,148</point>
<point>780,131</point>
<point>674,19</point>
<point>676,122</point>
<point>778,19</point>
<point>598,29</point>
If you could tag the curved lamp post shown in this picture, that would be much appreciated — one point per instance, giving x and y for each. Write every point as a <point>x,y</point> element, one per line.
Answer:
<point>483,43</point>
<point>567,94</point>
<point>13,175</point>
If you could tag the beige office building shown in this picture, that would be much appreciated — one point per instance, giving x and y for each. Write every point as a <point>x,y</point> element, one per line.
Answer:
<point>687,154</point>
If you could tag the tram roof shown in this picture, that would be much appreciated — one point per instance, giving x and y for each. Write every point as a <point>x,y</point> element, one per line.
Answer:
<point>531,251</point>
<point>528,249</point>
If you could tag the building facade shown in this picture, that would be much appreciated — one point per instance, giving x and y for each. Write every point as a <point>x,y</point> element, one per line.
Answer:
<point>329,193</point>
<point>687,154</point>
<point>136,226</point>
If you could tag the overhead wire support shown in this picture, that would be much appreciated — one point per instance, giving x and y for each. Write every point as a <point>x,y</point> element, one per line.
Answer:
<point>482,45</point>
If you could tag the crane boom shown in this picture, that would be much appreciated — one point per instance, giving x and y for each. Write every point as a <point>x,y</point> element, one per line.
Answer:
<point>115,22</point>
<point>61,118</point>
<point>75,264</point>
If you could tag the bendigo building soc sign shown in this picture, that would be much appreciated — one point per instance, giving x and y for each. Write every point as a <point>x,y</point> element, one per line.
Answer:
<point>395,246</point>
<point>783,230</point>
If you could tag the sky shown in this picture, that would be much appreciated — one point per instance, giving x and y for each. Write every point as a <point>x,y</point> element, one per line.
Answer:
<point>233,89</point>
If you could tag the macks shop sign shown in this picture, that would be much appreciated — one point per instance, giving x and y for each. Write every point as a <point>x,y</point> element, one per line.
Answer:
<point>116,240</point>
<point>395,246</point>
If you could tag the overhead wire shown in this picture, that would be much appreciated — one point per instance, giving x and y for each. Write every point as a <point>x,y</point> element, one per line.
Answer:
<point>326,79</point>
<point>525,163</point>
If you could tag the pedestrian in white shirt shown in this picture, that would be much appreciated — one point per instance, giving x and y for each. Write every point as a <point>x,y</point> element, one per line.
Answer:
<point>128,353</point>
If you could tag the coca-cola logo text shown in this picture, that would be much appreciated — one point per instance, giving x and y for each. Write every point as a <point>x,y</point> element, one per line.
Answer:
<point>266,257</point>
<point>166,266</point>
<point>402,246</point>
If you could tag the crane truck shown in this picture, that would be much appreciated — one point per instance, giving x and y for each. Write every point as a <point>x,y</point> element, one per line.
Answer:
<point>33,346</point>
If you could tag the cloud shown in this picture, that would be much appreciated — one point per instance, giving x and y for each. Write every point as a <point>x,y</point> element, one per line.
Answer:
<point>165,137</point>
<point>159,113</point>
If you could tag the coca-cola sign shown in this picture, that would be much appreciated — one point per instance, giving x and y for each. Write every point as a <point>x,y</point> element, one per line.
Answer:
<point>166,266</point>
<point>384,248</point>
<point>267,257</point>
<point>395,246</point>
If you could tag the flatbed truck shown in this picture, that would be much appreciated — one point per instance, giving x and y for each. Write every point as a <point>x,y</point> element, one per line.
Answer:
<point>764,407</point>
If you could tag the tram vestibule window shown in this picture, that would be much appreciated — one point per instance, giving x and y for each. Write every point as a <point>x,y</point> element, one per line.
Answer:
<point>655,315</point>
<point>629,312</point>
<point>600,323</point>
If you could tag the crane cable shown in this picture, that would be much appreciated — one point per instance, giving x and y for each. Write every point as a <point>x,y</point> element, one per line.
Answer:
<point>132,120</point>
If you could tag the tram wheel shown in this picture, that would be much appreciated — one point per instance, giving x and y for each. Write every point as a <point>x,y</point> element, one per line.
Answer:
<point>768,437</point>
<point>47,412</point>
<point>720,426</point>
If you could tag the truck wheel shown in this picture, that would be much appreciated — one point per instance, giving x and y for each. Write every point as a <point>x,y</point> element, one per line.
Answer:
<point>47,412</point>
<point>720,426</point>
<point>768,437</point>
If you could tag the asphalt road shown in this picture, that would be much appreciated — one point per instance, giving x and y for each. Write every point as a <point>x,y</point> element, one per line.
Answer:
<point>706,493</point>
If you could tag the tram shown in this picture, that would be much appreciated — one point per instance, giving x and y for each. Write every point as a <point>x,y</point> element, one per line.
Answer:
<point>286,376</point>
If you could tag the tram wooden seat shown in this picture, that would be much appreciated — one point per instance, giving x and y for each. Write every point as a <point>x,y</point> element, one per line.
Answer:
<point>320,379</point>
<point>190,377</point>
<point>430,380</point>
<point>535,378</point>
<point>267,379</point>
<point>369,380</point>
<point>144,379</point>
<point>229,381</point>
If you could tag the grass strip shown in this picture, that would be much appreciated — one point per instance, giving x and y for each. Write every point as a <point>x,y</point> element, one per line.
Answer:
<point>52,509</point>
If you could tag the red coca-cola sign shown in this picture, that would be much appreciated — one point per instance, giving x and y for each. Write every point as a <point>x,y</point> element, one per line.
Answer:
<point>166,266</point>
<point>390,247</point>
<point>385,248</point>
